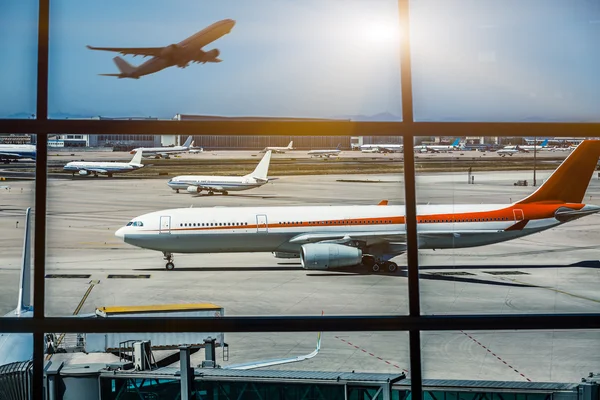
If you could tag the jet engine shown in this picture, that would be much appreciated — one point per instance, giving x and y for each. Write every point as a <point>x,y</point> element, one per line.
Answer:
<point>329,255</point>
<point>83,172</point>
<point>210,56</point>
<point>193,189</point>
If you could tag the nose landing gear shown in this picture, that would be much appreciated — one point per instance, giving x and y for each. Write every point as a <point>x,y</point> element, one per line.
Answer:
<point>169,258</point>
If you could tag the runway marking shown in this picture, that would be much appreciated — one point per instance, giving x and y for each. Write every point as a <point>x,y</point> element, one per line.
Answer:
<point>371,354</point>
<point>113,276</point>
<point>65,276</point>
<point>578,296</point>
<point>77,309</point>
<point>495,355</point>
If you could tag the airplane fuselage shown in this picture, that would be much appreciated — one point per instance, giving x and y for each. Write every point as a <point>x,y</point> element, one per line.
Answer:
<point>271,229</point>
<point>17,151</point>
<point>226,183</point>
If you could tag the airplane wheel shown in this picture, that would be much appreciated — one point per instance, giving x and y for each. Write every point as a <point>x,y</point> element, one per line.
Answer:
<point>170,266</point>
<point>210,193</point>
<point>225,193</point>
<point>375,267</point>
<point>392,267</point>
<point>176,190</point>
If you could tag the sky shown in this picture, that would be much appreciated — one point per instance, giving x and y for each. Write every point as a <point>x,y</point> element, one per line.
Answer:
<point>473,60</point>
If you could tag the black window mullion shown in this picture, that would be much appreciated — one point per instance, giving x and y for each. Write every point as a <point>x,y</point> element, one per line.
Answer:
<point>414,301</point>
<point>40,199</point>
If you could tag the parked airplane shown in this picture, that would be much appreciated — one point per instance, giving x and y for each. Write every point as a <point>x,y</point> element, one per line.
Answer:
<point>196,150</point>
<point>381,148</point>
<point>9,152</point>
<point>279,150</point>
<point>326,153</point>
<point>223,184</point>
<point>180,54</point>
<point>438,148</point>
<point>164,152</point>
<point>104,167</point>
<point>16,347</point>
<point>329,237</point>
<point>509,150</point>
<point>528,148</point>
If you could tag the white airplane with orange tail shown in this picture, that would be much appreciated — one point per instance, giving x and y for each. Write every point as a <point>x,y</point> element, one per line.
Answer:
<point>328,237</point>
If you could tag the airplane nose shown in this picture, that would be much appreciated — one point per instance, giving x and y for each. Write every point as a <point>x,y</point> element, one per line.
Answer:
<point>120,233</point>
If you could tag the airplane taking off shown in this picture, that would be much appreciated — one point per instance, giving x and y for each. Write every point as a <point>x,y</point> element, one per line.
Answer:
<point>328,237</point>
<point>326,153</point>
<point>104,167</point>
<point>223,184</point>
<point>279,150</point>
<point>164,152</point>
<point>9,152</point>
<point>15,347</point>
<point>179,54</point>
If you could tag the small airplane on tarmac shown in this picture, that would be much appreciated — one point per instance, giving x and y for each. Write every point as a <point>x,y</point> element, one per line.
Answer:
<point>223,184</point>
<point>180,54</point>
<point>279,150</point>
<point>326,153</point>
<point>85,168</point>
<point>10,152</point>
<point>165,152</point>
<point>329,237</point>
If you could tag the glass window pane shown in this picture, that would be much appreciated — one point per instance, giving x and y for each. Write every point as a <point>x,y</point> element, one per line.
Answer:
<point>279,59</point>
<point>488,60</point>
<point>18,64</point>
<point>306,228</point>
<point>486,246</point>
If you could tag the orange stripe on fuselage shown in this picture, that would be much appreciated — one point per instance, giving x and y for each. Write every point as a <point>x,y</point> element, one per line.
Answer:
<point>530,212</point>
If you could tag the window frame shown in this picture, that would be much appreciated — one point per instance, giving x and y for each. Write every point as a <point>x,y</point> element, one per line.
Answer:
<point>414,322</point>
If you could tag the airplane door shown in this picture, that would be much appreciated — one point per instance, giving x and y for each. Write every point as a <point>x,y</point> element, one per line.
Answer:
<point>518,215</point>
<point>165,224</point>
<point>261,224</point>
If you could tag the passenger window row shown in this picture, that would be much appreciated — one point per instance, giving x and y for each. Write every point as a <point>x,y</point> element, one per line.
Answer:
<point>425,221</point>
<point>192,224</point>
<point>339,222</point>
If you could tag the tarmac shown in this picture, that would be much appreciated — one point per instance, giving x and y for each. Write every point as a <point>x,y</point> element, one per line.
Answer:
<point>556,271</point>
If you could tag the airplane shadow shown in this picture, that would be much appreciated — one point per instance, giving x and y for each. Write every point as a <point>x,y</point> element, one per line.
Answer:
<point>224,269</point>
<point>583,264</point>
<point>404,274</point>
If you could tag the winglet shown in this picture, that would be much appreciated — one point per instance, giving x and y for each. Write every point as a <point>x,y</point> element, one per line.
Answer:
<point>570,180</point>
<point>24,303</point>
<point>383,203</point>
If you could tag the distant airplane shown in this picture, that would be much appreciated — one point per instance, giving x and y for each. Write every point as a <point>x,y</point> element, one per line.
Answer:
<point>15,347</point>
<point>164,152</point>
<point>382,148</point>
<point>329,237</point>
<point>104,167</point>
<point>280,150</point>
<point>528,148</point>
<point>223,184</point>
<point>326,153</point>
<point>438,148</point>
<point>9,152</point>
<point>196,150</point>
<point>510,150</point>
<point>180,54</point>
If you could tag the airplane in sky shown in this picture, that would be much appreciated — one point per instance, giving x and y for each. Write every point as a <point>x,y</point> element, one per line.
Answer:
<point>164,152</point>
<point>328,237</point>
<point>223,184</point>
<point>178,54</point>
<point>326,153</point>
<point>15,347</point>
<point>382,148</point>
<point>527,148</point>
<point>104,167</point>
<point>9,152</point>
<point>438,148</point>
<point>279,150</point>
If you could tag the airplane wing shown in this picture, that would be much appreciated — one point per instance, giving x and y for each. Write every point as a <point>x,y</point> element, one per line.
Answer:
<point>270,363</point>
<point>135,51</point>
<point>13,155</point>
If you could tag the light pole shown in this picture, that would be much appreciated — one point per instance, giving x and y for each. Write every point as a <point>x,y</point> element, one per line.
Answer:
<point>534,159</point>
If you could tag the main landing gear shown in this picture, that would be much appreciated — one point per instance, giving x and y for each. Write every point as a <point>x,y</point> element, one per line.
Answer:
<point>169,258</point>
<point>374,265</point>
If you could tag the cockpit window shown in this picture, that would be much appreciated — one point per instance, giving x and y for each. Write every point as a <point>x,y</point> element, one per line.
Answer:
<point>135,223</point>
<point>129,223</point>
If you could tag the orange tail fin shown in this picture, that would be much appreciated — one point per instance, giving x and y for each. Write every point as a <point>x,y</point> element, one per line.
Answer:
<point>570,180</point>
